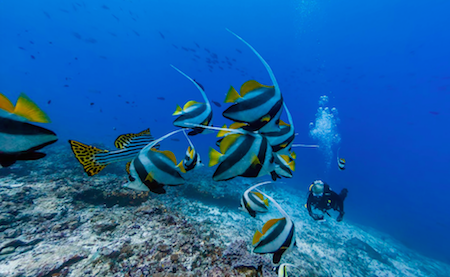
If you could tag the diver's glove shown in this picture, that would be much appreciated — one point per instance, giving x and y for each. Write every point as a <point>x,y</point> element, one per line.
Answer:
<point>316,216</point>
<point>340,217</point>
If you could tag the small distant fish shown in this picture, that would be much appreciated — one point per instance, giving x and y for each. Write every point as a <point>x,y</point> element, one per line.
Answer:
<point>200,85</point>
<point>196,44</point>
<point>160,98</point>
<point>32,57</point>
<point>77,35</point>
<point>162,36</point>
<point>49,102</point>
<point>184,48</point>
<point>435,113</point>
<point>207,50</point>
<point>105,7</point>
<point>174,139</point>
<point>90,40</point>
<point>50,42</point>
<point>76,58</point>
<point>31,42</point>
<point>63,10</point>
<point>192,158</point>
<point>340,161</point>
<point>239,51</point>
<point>27,138</point>
<point>152,169</point>
<point>175,46</point>
<point>216,103</point>
<point>92,103</point>
<point>137,34</point>
<point>253,202</point>
<point>118,19</point>
<point>47,15</point>
<point>94,159</point>
<point>21,48</point>
<point>103,57</point>
<point>66,86</point>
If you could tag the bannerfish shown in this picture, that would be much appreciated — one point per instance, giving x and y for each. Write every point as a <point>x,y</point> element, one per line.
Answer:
<point>95,160</point>
<point>277,235</point>
<point>152,169</point>
<point>282,270</point>
<point>281,141</point>
<point>192,158</point>
<point>217,103</point>
<point>284,165</point>
<point>20,140</point>
<point>193,112</point>
<point>258,105</point>
<point>253,202</point>
<point>245,154</point>
<point>340,161</point>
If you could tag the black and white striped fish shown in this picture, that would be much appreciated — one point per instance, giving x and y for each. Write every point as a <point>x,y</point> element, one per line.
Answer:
<point>277,235</point>
<point>20,140</point>
<point>94,159</point>
<point>192,158</point>
<point>152,169</point>
<point>284,165</point>
<point>340,161</point>
<point>243,154</point>
<point>281,141</point>
<point>258,105</point>
<point>193,112</point>
<point>253,202</point>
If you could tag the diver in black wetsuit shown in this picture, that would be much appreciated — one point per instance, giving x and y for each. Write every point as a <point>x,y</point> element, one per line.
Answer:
<point>323,198</point>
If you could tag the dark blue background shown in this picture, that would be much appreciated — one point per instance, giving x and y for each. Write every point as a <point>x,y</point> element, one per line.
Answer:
<point>383,64</point>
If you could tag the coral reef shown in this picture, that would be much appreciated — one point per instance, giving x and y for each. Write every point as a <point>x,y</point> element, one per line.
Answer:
<point>56,221</point>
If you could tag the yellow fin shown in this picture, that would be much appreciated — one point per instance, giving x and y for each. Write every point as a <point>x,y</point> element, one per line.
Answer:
<point>237,125</point>
<point>181,167</point>
<point>256,237</point>
<point>285,158</point>
<point>177,110</point>
<point>282,123</point>
<point>127,167</point>
<point>214,156</point>
<point>122,140</point>
<point>342,161</point>
<point>222,133</point>
<point>227,142</point>
<point>255,160</point>
<point>170,155</point>
<point>269,224</point>
<point>85,154</point>
<point>306,205</point>
<point>232,95</point>
<point>189,104</point>
<point>251,85</point>
<point>283,145</point>
<point>260,196</point>
<point>5,104</point>
<point>266,201</point>
<point>266,118</point>
<point>29,110</point>
<point>293,155</point>
<point>149,177</point>
<point>291,165</point>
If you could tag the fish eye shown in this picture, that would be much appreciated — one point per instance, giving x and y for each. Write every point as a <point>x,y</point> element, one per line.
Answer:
<point>131,178</point>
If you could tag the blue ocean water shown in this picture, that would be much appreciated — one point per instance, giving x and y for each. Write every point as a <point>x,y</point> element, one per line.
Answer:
<point>100,69</point>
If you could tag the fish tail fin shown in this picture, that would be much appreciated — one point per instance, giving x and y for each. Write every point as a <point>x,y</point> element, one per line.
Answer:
<point>27,109</point>
<point>214,156</point>
<point>86,155</point>
<point>266,65</point>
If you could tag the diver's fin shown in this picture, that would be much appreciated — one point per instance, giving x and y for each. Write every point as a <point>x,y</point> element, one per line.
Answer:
<point>26,108</point>
<point>85,154</point>
<point>123,141</point>
<point>5,104</point>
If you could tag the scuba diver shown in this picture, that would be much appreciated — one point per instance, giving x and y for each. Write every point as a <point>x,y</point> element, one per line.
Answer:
<point>323,198</point>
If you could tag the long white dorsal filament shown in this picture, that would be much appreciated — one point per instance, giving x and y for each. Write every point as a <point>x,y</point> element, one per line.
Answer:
<point>195,83</point>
